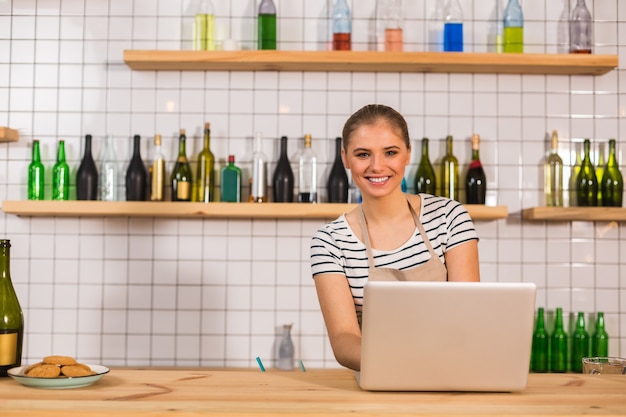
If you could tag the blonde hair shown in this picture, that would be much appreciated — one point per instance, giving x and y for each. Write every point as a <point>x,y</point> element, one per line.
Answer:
<point>371,114</point>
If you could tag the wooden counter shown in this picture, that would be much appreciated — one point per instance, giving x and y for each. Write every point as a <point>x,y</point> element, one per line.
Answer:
<point>249,392</point>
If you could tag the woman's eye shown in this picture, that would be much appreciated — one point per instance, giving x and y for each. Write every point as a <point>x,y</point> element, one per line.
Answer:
<point>362,155</point>
<point>391,153</point>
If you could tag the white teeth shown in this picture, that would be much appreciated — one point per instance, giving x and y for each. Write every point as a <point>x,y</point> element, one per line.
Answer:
<point>379,179</point>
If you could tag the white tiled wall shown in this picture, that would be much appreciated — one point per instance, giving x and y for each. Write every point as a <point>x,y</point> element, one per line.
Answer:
<point>212,292</point>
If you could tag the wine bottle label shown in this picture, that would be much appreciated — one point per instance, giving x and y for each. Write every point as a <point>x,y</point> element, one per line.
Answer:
<point>8,348</point>
<point>183,191</point>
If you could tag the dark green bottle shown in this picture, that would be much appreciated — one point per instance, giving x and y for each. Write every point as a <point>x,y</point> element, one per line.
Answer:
<point>580,344</point>
<point>600,338</point>
<point>539,354</point>
<point>612,183</point>
<point>12,319</point>
<point>450,173</point>
<point>231,182</point>
<point>181,174</point>
<point>586,181</point>
<point>558,345</point>
<point>267,25</point>
<point>36,175</point>
<point>425,180</point>
<point>205,170</point>
<point>61,175</point>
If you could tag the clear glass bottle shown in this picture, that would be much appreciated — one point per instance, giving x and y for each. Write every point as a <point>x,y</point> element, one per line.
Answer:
<point>558,345</point>
<point>61,175</point>
<point>476,182</point>
<point>389,23</point>
<point>612,184</point>
<point>283,180</point>
<point>182,180</point>
<point>581,29</point>
<point>600,338</point>
<point>230,185</point>
<point>580,344</point>
<point>337,185</point>
<point>307,173</point>
<point>342,26</point>
<point>450,173</point>
<point>157,172</point>
<point>266,25</point>
<point>258,181</point>
<point>205,170</point>
<point>87,175</point>
<point>435,27</point>
<point>553,174</point>
<point>204,27</point>
<point>539,353</point>
<point>36,174</point>
<point>586,182</point>
<point>108,171</point>
<point>513,37</point>
<point>286,350</point>
<point>11,316</point>
<point>425,180</point>
<point>453,27</point>
<point>136,174</point>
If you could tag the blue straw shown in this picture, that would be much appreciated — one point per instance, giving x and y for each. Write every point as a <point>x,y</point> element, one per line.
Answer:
<point>258,360</point>
<point>301,365</point>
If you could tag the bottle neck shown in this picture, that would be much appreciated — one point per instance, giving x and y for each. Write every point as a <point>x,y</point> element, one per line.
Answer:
<point>586,148</point>
<point>136,146</point>
<point>5,265</point>
<point>61,152</point>
<point>449,145</point>
<point>283,146</point>
<point>36,154</point>
<point>87,145</point>
<point>181,147</point>
<point>338,149</point>
<point>475,155</point>
<point>600,322</point>
<point>425,148</point>
<point>558,321</point>
<point>612,157</point>
<point>207,139</point>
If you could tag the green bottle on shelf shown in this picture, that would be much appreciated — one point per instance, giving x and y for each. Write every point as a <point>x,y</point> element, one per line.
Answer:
<point>231,182</point>
<point>539,353</point>
<point>600,338</point>
<point>36,175</point>
<point>558,345</point>
<point>580,344</point>
<point>205,170</point>
<point>425,180</point>
<point>600,167</point>
<point>12,318</point>
<point>612,183</point>
<point>181,174</point>
<point>450,173</point>
<point>586,181</point>
<point>61,175</point>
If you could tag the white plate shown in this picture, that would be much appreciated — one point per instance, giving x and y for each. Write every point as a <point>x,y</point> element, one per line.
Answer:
<point>57,383</point>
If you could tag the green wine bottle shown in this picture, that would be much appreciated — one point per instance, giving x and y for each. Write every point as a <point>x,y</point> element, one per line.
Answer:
<point>558,345</point>
<point>450,173</point>
<point>11,317</point>
<point>36,175</point>
<point>230,186</point>
<point>539,354</point>
<point>181,174</point>
<point>425,180</point>
<point>586,182</point>
<point>205,170</point>
<point>600,338</point>
<point>580,344</point>
<point>600,167</point>
<point>61,175</point>
<point>612,183</point>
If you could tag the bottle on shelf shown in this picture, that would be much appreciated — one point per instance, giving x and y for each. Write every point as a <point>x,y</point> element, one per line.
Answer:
<point>136,174</point>
<point>580,344</point>
<point>600,338</point>
<point>12,323</point>
<point>61,175</point>
<point>108,171</point>
<point>425,180</point>
<point>337,186</point>
<point>612,183</point>
<point>230,186</point>
<point>258,181</point>
<point>553,174</point>
<point>600,166</point>
<point>476,182</point>
<point>558,344</point>
<point>513,39</point>
<point>435,27</point>
<point>286,350</point>
<point>181,173</point>
<point>36,174</point>
<point>205,170</point>
<point>204,27</point>
<point>87,175</point>
<point>307,173</point>
<point>450,173</point>
<point>267,25</point>
<point>404,186</point>
<point>581,29</point>
<point>572,187</point>
<point>539,353</point>
<point>283,180</point>
<point>157,172</point>
<point>586,181</point>
<point>389,21</point>
<point>342,26</point>
<point>453,27</point>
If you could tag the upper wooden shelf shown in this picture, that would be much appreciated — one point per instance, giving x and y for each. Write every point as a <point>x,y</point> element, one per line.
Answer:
<point>370,61</point>
<point>199,210</point>
<point>8,135</point>
<point>608,214</point>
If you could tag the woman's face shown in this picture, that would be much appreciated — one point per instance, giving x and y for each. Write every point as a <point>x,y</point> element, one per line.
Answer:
<point>377,156</point>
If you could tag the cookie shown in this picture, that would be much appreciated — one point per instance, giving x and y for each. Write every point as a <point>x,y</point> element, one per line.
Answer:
<point>34,365</point>
<point>45,371</point>
<point>76,370</point>
<point>59,360</point>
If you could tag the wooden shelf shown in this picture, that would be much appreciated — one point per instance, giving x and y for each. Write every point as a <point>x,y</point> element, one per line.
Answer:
<point>370,61</point>
<point>8,135</point>
<point>202,210</point>
<point>575,213</point>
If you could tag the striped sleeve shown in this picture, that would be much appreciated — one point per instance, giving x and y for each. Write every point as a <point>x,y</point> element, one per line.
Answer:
<point>326,256</point>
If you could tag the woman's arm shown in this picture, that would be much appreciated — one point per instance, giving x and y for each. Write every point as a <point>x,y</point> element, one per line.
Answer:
<point>337,307</point>
<point>462,262</point>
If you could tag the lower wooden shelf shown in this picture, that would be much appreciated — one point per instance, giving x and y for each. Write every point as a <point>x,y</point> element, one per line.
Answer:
<point>608,214</point>
<point>202,210</point>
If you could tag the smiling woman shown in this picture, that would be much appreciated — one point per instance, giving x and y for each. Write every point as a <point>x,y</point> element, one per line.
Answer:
<point>390,236</point>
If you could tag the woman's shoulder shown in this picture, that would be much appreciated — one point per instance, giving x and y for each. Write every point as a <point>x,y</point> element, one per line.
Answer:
<point>339,226</point>
<point>432,205</point>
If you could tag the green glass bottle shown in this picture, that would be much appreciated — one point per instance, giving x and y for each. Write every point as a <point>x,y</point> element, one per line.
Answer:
<point>205,170</point>
<point>425,180</point>
<point>230,186</point>
<point>450,173</point>
<point>580,344</point>
<point>586,182</point>
<point>266,25</point>
<point>11,317</point>
<point>61,175</point>
<point>539,354</point>
<point>181,174</point>
<point>600,338</point>
<point>558,345</point>
<point>600,167</point>
<point>36,175</point>
<point>612,183</point>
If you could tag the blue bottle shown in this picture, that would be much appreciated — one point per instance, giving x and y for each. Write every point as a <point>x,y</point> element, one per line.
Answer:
<point>453,27</point>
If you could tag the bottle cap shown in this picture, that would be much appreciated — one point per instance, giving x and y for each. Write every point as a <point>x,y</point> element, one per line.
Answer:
<point>231,159</point>
<point>475,141</point>
<point>157,139</point>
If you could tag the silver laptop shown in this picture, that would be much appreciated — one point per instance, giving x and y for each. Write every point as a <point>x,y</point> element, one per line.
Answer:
<point>446,336</point>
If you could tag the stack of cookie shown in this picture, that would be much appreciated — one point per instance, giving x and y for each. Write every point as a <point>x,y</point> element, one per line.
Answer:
<point>58,366</point>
